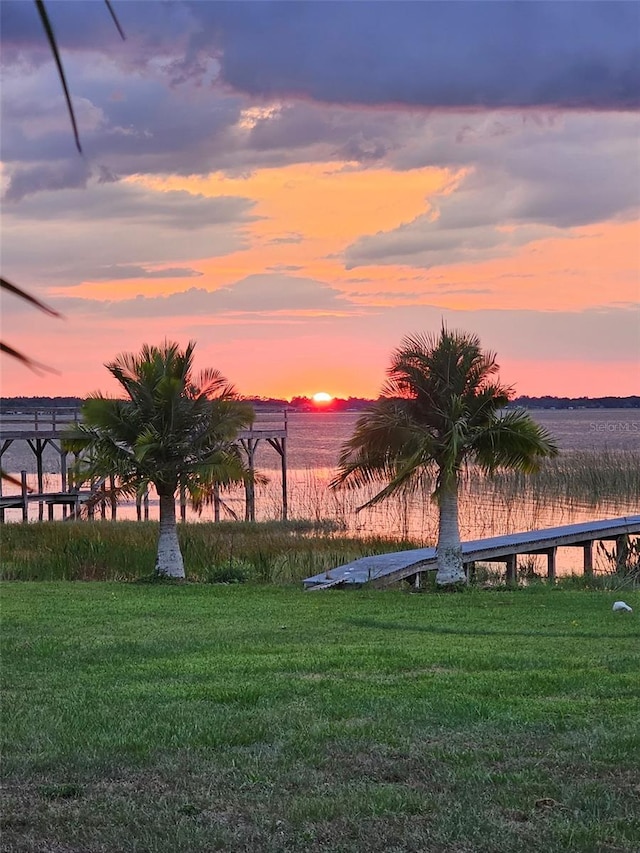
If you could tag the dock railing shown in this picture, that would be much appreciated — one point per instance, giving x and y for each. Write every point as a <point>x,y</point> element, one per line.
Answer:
<point>41,428</point>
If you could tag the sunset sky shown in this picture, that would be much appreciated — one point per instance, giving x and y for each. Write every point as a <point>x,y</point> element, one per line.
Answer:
<point>298,185</point>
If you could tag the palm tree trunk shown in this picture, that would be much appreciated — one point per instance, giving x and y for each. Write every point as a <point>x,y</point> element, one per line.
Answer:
<point>449,549</point>
<point>169,560</point>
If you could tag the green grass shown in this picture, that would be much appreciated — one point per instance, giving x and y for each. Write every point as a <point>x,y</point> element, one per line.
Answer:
<point>270,720</point>
<point>274,552</point>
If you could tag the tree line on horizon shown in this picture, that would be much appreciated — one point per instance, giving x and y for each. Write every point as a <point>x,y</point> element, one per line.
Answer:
<point>340,404</point>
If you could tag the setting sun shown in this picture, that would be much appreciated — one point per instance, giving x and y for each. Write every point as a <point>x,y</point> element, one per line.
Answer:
<point>322,397</point>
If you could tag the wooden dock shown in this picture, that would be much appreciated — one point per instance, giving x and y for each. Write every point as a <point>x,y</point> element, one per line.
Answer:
<point>385,569</point>
<point>42,429</point>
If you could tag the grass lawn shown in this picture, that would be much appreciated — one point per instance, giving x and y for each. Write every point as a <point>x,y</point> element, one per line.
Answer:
<point>241,718</point>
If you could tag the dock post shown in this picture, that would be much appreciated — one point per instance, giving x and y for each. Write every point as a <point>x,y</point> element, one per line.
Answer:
<point>283,460</point>
<point>250,494</point>
<point>285,497</point>
<point>91,507</point>
<point>24,491</point>
<point>40,446</point>
<point>216,502</point>
<point>63,479</point>
<point>113,499</point>
<point>183,504</point>
<point>551,565</point>
<point>588,558</point>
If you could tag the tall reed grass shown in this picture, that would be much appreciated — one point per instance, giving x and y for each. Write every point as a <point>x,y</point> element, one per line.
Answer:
<point>273,552</point>
<point>576,486</point>
<point>588,476</point>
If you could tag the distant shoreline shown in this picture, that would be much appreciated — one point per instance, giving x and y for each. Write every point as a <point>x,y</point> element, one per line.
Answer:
<point>351,404</point>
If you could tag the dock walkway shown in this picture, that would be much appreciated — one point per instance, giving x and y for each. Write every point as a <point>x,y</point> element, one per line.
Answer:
<point>384,569</point>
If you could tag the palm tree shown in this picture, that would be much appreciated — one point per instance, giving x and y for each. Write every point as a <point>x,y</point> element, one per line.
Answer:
<point>173,431</point>
<point>439,410</point>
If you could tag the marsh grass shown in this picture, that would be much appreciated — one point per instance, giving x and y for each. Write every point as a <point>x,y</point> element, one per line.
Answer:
<point>270,720</point>
<point>586,476</point>
<point>227,552</point>
<point>576,486</point>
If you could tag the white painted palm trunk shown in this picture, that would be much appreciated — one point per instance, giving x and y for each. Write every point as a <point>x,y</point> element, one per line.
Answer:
<point>449,549</point>
<point>169,560</point>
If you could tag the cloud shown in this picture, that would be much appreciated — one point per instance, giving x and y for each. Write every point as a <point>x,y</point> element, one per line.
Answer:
<point>125,272</point>
<point>462,55</point>
<point>292,237</point>
<point>425,243</point>
<point>127,202</point>
<point>284,268</point>
<point>518,181</point>
<point>131,119</point>
<point>157,114</point>
<point>260,294</point>
<point>574,167</point>
<point>82,232</point>
<point>340,133</point>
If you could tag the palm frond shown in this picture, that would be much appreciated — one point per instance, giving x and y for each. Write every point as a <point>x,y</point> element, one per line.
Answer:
<point>22,294</point>
<point>439,408</point>
<point>31,363</point>
<point>513,441</point>
<point>115,20</point>
<point>53,44</point>
<point>165,432</point>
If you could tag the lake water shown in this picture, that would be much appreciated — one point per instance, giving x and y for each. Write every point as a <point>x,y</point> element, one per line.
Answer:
<point>313,446</point>
<point>315,439</point>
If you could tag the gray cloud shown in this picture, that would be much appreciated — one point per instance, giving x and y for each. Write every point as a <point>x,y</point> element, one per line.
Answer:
<point>341,134</point>
<point>69,174</point>
<point>425,243</point>
<point>293,238</point>
<point>80,232</point>
<point>564,171</point>
<point>125,272</point>
<point>538,179</point>
<point>532,169</point>
<point>134,203</point>
<point>284,268</point>
<point>416,297</point>
<point>254,295</point>
<point>463,54</point>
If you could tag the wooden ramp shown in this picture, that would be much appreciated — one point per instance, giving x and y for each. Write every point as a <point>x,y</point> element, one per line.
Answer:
<point>383,569</point>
